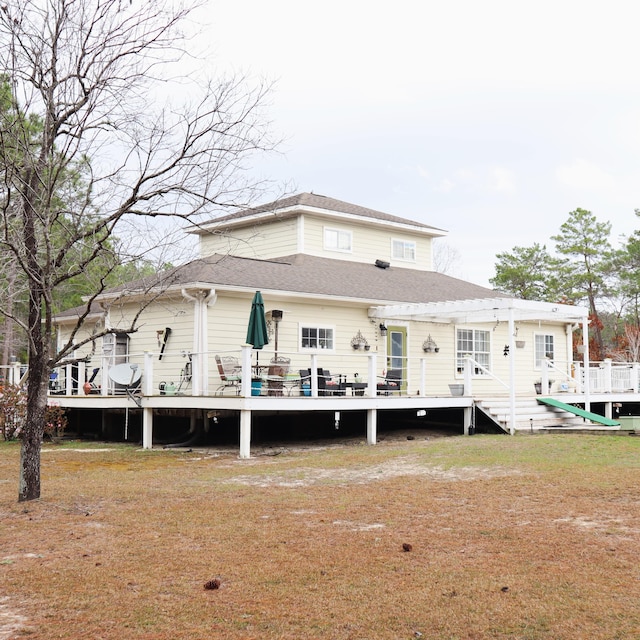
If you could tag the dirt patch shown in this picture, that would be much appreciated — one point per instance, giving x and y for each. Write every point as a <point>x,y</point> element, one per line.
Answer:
<point>10,621</point>
<point>398,467</point>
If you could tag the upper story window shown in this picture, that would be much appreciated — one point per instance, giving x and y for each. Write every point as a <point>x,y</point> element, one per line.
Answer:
<point>337,239</point>
<point>403,250</point>
<point>477,344</point>
<point>544,348</point>
<point>314,337</point>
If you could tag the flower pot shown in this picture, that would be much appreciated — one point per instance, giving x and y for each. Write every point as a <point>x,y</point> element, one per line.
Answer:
<point>456,389</point>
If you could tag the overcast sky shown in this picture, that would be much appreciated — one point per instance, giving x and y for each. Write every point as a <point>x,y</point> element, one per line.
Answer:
<point>492,120</point>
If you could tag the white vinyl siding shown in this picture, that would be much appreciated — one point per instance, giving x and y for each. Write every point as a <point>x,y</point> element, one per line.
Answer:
<point>368,244</point>
<point>278,238</point>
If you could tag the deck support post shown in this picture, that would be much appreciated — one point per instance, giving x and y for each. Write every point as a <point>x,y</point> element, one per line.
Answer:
<point>372,426</point>
<point>466,420</point>
<point>147,428</point>
<point>608,410</point>
<point>245,433</point>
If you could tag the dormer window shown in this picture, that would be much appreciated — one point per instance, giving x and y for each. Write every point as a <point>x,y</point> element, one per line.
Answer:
<point>403,250</point>
<point>337,240</point>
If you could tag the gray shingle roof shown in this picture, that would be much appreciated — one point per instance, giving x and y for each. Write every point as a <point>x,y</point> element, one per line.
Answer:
<point>327,277</point>
<point>313,276</point>
<point>316,201</point>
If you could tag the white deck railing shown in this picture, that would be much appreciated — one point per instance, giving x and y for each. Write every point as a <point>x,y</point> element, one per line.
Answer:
<point>191,374</point>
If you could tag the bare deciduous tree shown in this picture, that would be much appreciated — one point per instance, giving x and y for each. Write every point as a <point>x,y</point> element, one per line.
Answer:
<point>98,139</point>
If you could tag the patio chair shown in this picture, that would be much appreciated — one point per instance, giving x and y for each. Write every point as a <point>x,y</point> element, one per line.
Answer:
<point>54,384</point>
<point>327,386</point>
<point>278,369</point>
<point>90,387</point>
<point>392,383</point>
<point>230,373</point>
<point>305,382</point>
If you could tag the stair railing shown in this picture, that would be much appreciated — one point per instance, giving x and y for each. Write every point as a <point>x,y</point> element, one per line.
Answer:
<point>470,367</point>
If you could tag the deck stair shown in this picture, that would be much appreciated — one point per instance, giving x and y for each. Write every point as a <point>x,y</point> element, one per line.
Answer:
<point>531,415</point>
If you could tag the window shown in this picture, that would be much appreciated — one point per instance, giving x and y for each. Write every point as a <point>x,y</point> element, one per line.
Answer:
<point>403,250</point>
<point>316,337</point>
<point>337,240</point>
<point>475,343</point>
<point>543,348</point>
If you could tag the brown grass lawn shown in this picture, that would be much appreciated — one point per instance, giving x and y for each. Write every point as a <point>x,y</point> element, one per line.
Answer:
<point>511,537</point>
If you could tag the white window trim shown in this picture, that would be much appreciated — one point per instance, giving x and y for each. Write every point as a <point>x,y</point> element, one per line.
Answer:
<point>405,243</point>
<point>339,232</point>
<point>536,366</point>
<point>460,374</point>
<point>313,325</point>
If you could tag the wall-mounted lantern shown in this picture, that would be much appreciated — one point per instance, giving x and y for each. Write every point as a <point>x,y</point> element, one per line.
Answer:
<point>383,329</point>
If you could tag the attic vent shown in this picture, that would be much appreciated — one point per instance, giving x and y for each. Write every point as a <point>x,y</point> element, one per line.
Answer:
<point>381,264</point>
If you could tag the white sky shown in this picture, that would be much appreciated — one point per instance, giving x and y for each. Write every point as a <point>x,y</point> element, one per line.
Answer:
<point>490,119</point>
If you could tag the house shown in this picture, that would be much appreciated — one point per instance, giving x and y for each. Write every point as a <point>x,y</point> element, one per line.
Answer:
<point>347,290</point>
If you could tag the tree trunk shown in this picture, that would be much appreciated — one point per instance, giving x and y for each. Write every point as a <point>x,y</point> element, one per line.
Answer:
<point>33,431</point>
<point>38,376</point>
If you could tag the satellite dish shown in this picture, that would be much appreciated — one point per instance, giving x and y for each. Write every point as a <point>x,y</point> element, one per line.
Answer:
<point>125,374</point>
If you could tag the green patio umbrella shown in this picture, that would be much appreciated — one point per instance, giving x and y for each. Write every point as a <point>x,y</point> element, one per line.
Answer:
<point>257,329</point>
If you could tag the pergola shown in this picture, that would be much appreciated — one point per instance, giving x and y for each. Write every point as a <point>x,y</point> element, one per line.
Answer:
<point>481,310</point>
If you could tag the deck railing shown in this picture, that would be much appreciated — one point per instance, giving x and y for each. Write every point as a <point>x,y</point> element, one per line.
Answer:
<point>193,374</point>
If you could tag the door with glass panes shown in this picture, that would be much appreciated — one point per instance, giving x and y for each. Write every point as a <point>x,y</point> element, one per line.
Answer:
<point>397,352</point>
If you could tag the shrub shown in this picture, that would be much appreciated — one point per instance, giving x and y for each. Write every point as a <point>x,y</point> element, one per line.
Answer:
<point>13,411</point>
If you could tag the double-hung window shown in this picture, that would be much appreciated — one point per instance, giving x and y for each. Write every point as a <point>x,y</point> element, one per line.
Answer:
<point>337,239</point>
<point>544,348</point>
<point>312,337</point>
<point>403,250</point>
<point>475,343</point>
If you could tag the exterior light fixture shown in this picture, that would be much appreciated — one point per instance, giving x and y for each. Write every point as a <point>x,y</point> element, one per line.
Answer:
<point>430,346</point>
<point>505,351</point>
<point>383,329</point>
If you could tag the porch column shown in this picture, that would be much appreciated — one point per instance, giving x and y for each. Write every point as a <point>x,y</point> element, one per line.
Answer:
<point>423,376</point>
<point>372,426</point>
<point>314,375</point>
<point>512,374</point>
<point>585,360</point>
<point>608,382</point>
<point>245,433</point>
<point>148,373</point>
<point>147,428</point>
<point>245,363</point>
<point>372,387</point>
<point>82,376</point>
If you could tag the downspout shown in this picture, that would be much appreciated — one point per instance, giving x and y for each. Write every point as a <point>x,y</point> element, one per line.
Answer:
<point>200,373</point>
